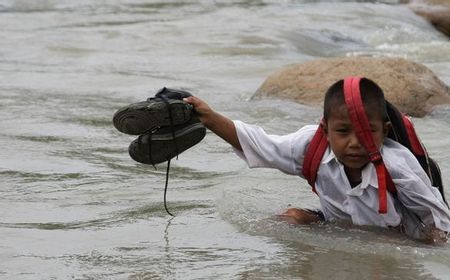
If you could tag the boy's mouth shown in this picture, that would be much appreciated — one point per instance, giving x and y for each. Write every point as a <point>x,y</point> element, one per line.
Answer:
<point>356,157</point>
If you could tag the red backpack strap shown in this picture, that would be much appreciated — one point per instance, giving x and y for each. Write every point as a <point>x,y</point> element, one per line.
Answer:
<point>416,145</point>
<point>361,125</point>
<point>313,156</point>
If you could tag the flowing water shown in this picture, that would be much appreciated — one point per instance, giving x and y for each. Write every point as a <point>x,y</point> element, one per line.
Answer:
<point>73,205</point>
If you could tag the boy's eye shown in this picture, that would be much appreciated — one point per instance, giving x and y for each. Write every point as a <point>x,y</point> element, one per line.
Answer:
<point>343,130</point>
<point>374,129</point>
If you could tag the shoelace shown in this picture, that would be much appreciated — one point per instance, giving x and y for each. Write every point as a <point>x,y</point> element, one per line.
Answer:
<point>140,142</point>
<point>165,189</point>
<point>166,101</point>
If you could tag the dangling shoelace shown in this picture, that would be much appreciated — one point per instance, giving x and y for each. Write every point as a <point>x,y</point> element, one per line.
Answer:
<point>166,101</point>
<point>165,189</point>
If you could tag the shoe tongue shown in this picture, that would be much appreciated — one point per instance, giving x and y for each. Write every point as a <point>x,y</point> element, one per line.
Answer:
<point>172,93</point>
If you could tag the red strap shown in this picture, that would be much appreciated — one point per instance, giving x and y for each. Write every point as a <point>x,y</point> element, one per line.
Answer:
<point>313,156</point>
<point>362,128</point>
<point>416,146</point>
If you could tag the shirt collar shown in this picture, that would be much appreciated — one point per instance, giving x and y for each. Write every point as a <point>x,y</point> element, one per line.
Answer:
<point>368,174</point>
<point>329,156</point>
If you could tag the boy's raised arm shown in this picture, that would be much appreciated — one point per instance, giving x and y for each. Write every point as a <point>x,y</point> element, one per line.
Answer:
<point>217,123</point>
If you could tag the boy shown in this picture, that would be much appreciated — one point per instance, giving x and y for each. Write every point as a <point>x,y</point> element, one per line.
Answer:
<point>346,183</point>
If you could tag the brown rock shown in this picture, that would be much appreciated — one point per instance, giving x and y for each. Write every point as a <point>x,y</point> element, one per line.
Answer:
<point>439,19</point>
<point>437,12</point>
<point>411,86</point>
<point>438,2</point>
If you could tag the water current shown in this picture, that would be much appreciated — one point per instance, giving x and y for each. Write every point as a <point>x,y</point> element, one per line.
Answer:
<point>74,205</point>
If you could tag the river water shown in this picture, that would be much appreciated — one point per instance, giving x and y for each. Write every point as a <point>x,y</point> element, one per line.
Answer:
<point>73,205</point>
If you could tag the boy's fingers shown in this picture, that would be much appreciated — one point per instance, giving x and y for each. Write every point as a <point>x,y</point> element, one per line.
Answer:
<point>195,102</point>
<point>191,100</point>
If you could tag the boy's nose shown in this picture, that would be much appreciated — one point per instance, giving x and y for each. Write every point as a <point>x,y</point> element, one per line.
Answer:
<point>354,141</point>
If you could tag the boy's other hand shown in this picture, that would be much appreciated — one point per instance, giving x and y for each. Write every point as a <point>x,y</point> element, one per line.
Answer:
<point>435,236</point>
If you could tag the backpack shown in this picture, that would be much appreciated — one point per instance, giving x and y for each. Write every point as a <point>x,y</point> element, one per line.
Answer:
<point>402,131</point>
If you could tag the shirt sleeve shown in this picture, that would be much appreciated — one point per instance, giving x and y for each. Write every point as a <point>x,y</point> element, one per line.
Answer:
<point>285,152</point>
<point>414,188</point>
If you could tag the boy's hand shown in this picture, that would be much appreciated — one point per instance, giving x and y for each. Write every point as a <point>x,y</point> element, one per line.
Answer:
<point>296,216</point>
<point>203,110</point>
<point>217,123</point>
<point>435,236</point>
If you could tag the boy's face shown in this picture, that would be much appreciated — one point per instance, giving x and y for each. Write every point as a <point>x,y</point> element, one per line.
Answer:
<point>343,140</point>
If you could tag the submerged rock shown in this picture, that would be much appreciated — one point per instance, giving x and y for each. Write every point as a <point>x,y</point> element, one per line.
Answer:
<point>437,12</point>
<point>411,86</point>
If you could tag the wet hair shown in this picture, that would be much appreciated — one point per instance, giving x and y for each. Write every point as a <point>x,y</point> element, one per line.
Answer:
<point>371,94</point>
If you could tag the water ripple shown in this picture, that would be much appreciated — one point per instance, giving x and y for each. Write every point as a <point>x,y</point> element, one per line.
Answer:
<point>114,219</point>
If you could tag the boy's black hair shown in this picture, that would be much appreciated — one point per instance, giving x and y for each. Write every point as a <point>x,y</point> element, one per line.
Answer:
<point>372,97</point>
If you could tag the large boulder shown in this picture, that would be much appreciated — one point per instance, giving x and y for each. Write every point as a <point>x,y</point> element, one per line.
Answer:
<point>437,12</point>
<point>410,86</point>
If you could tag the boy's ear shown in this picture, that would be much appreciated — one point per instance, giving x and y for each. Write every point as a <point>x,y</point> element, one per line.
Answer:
<point>325,128</point>
<point>386,128</point>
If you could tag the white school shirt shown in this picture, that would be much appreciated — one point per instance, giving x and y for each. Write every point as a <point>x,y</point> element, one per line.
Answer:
<point>416,198</point>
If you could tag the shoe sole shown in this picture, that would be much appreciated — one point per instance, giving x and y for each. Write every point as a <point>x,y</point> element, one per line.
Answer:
<point>163,147</point>
<point>142,117</point>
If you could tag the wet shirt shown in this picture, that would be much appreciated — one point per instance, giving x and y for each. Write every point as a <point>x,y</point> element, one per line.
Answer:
<point>416,204</point>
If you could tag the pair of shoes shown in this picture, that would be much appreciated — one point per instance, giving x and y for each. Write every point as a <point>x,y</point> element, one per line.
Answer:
<point>166,125</point>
